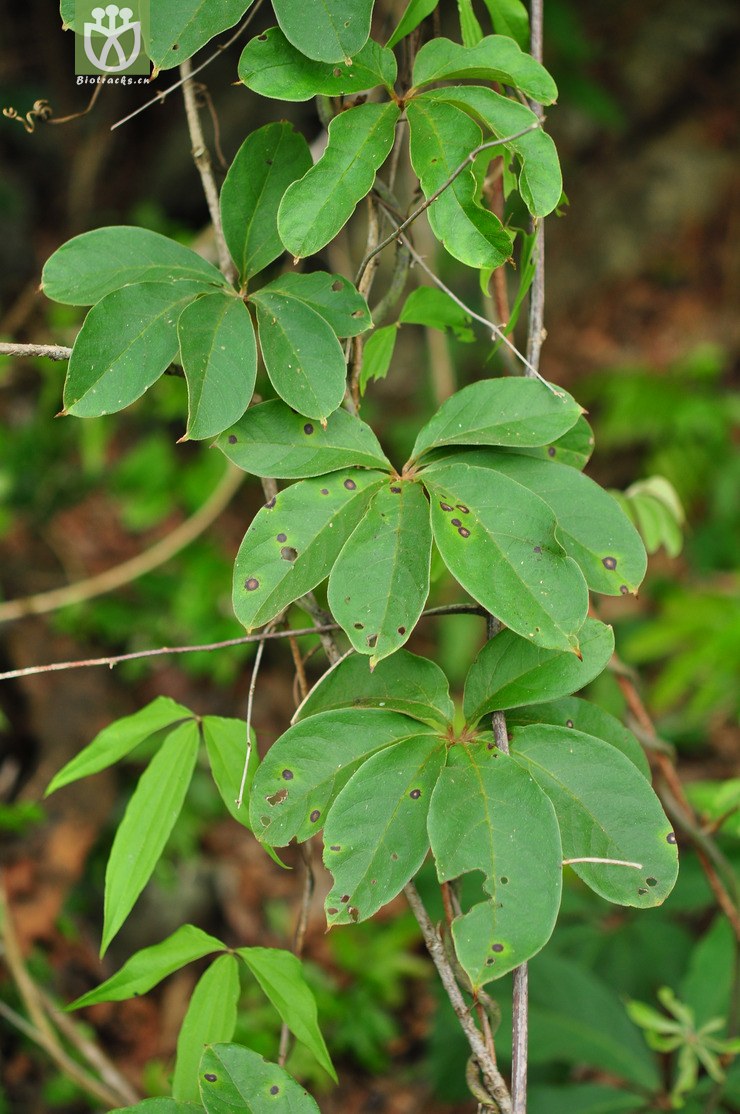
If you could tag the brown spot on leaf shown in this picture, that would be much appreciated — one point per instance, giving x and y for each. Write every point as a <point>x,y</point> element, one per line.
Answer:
<point>332,912</point>
<point>463,508</point>
<point>251,583</point>
<point>401,630</point>
<point>445,506</point>
<point>456,522</point>
<point>350,485</point>
<point>325,491</point>
<point>277,798</point>
<point>538,549</point>
<point>671,838</point>
<point>232,439</point>
<point>335,847</point>
<point>287,775</point>
<point>609,562</point>
<point>288,553</point>
<point>395,489</point>
<point>497,948</point>
<point>314,816</point>
<point>337,72</point>
<point>344,898</point>
<point>336,286</point>
<point>209,1076</point>
<point>270,503</point>
<point>394,856</point>
<point>281,537</point>
<point>551,451</point>
<point>274,1090</point>
<point>415,794</point>
<point>464,532</point>
<point>569,723</point>
<point>353,914</point>
<point>624,589</point>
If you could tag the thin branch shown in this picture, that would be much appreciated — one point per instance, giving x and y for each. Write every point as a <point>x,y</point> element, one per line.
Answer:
<point>299,937</point>
<point>250,704</point>
<point>204,647</point>
<point>50,351</point>
<point>494,1081</point>
<point>202,160</point>
<point>130,570</point>
<point>161,96</point>
<point>438,192</point>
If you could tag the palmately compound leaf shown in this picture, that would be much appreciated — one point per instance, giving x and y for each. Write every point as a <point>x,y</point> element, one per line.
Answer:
<point>515,412</point>
<point>574,448</point>
<point>442,136</point>
<point>499,541</point>
<point>510,671</point>
<point>326,30</point>
<point>180,27</point>
<point>118,739</point>
<point>319,204</point>
<point>126,341</point>
<point>272,440</point>
<point>375,836</point>
<point>592,527</point>
<point>303,357</point>
<point>149,966</point>
<point>572,712</point>
<point>295,539</point>
<point>233,1078</point>
<point>496,58</point>
<point>210,1017</point>
<point>486,817</point>
<point>404,683</point>
<point>226,747</point>
<point>308,765</point>
<point>146,825</point>
<point>540,179</point>
<point>333,297</point>
<point>219,358</point>
<point>267,162</point>
<point>606,809</point>
<point>96,263</point>
<point>394,539</point>
<point>281,978</point>
<point>272,67</point>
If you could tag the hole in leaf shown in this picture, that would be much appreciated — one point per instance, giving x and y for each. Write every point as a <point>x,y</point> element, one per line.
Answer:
<point>277,798</point>
<point>332,912</point>
<point>336,286</point>
<point>344,898</point>
<point>359,626</point>
<point>372,640</point>
<point>396,490</point>
<point>270,503</point>
<point>288,553</point>
<point>353,913</point>
<point>652,881</point>
<point>262,38</point>
<point>641,892</point>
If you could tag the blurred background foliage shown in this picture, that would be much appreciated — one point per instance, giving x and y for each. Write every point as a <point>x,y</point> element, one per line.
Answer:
<point>643,330</point>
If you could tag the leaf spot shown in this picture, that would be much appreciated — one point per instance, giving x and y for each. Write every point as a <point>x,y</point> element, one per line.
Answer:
<point>314,816</point>
<point>209,1076</point>
<point>624,589</point>
<point>671,838</point>
<point>401,630</point>
<point>350,485</point>
<point>288,553</point>
<point>277,798</point>
<point>232,439</point>
<point>504,880</point>
<point>497,948</point>
<point>359,626</point>
<point>281,537</point>
<point>538,549</point>
<point>456,522</point>
<point>463,508</point>
<point>287,775</point>
<point>344,898</point>
<point>490,962</point>
<point>332,912</point>
<point>569,723</point>
<point>551,451</point>
<point>270,503</point>
<point>336,286</point>
<point>464,532</point>
<point>337,72</point>
<point>396,490</point>
<point>263,39</point>
<point>274,1090</point>
<point>251,584</point>
<point>445,506</point>
<point>357,313</point>
<point>641,892</point>
<point>325,491</point>
<point>353,914</point>
<point>335,847</point>
<point>308,428</point>
<point>394,856</point>
<point>609,562</point>
<point>652,881</point>
<point>415,794</point>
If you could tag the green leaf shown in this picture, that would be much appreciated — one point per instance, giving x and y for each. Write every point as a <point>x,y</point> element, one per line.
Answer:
<point>333,297</point>
<point>160,1106</point>
<point>510,17</point>
<point>280,976</point>
<point>486,817</point>
<point>267,162</point>
<point>377,354</point>
<point>272,440</point>
<point>211,1016</point>
<point>705,986</point>
<point>512,412</point>
<point>583,1098</point>
<point>574,448</point>
<point>495,58</point>
<point>149,966</point>
<point>540,179</point>
<point>149,818</point>
<point>236,1078</point>
<point>499,541</point>
<point>325,30</point>
<point>118,739</point>
<point>219,358</point>
<point>308,765</point>
<point>509,671</point>
<point>415,12</point>
<point>592,527</point>
<point>272,67</point>
<point>409,684</point>
<point>394,539</point>
<point>442,136</point>
<point>88,267</point>
<point>226,746</point>
<point>429,306</point>
<point>180,27</point>
<point>319,204</point>
<point>375,836</point>
<point>302,355</point>
<point>295,539</point>
<point>605,808</point>
<point>572,712</point>
<point>126,341</point>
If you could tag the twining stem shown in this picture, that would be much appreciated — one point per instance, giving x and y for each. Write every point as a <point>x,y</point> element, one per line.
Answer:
<point>202,160</point>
